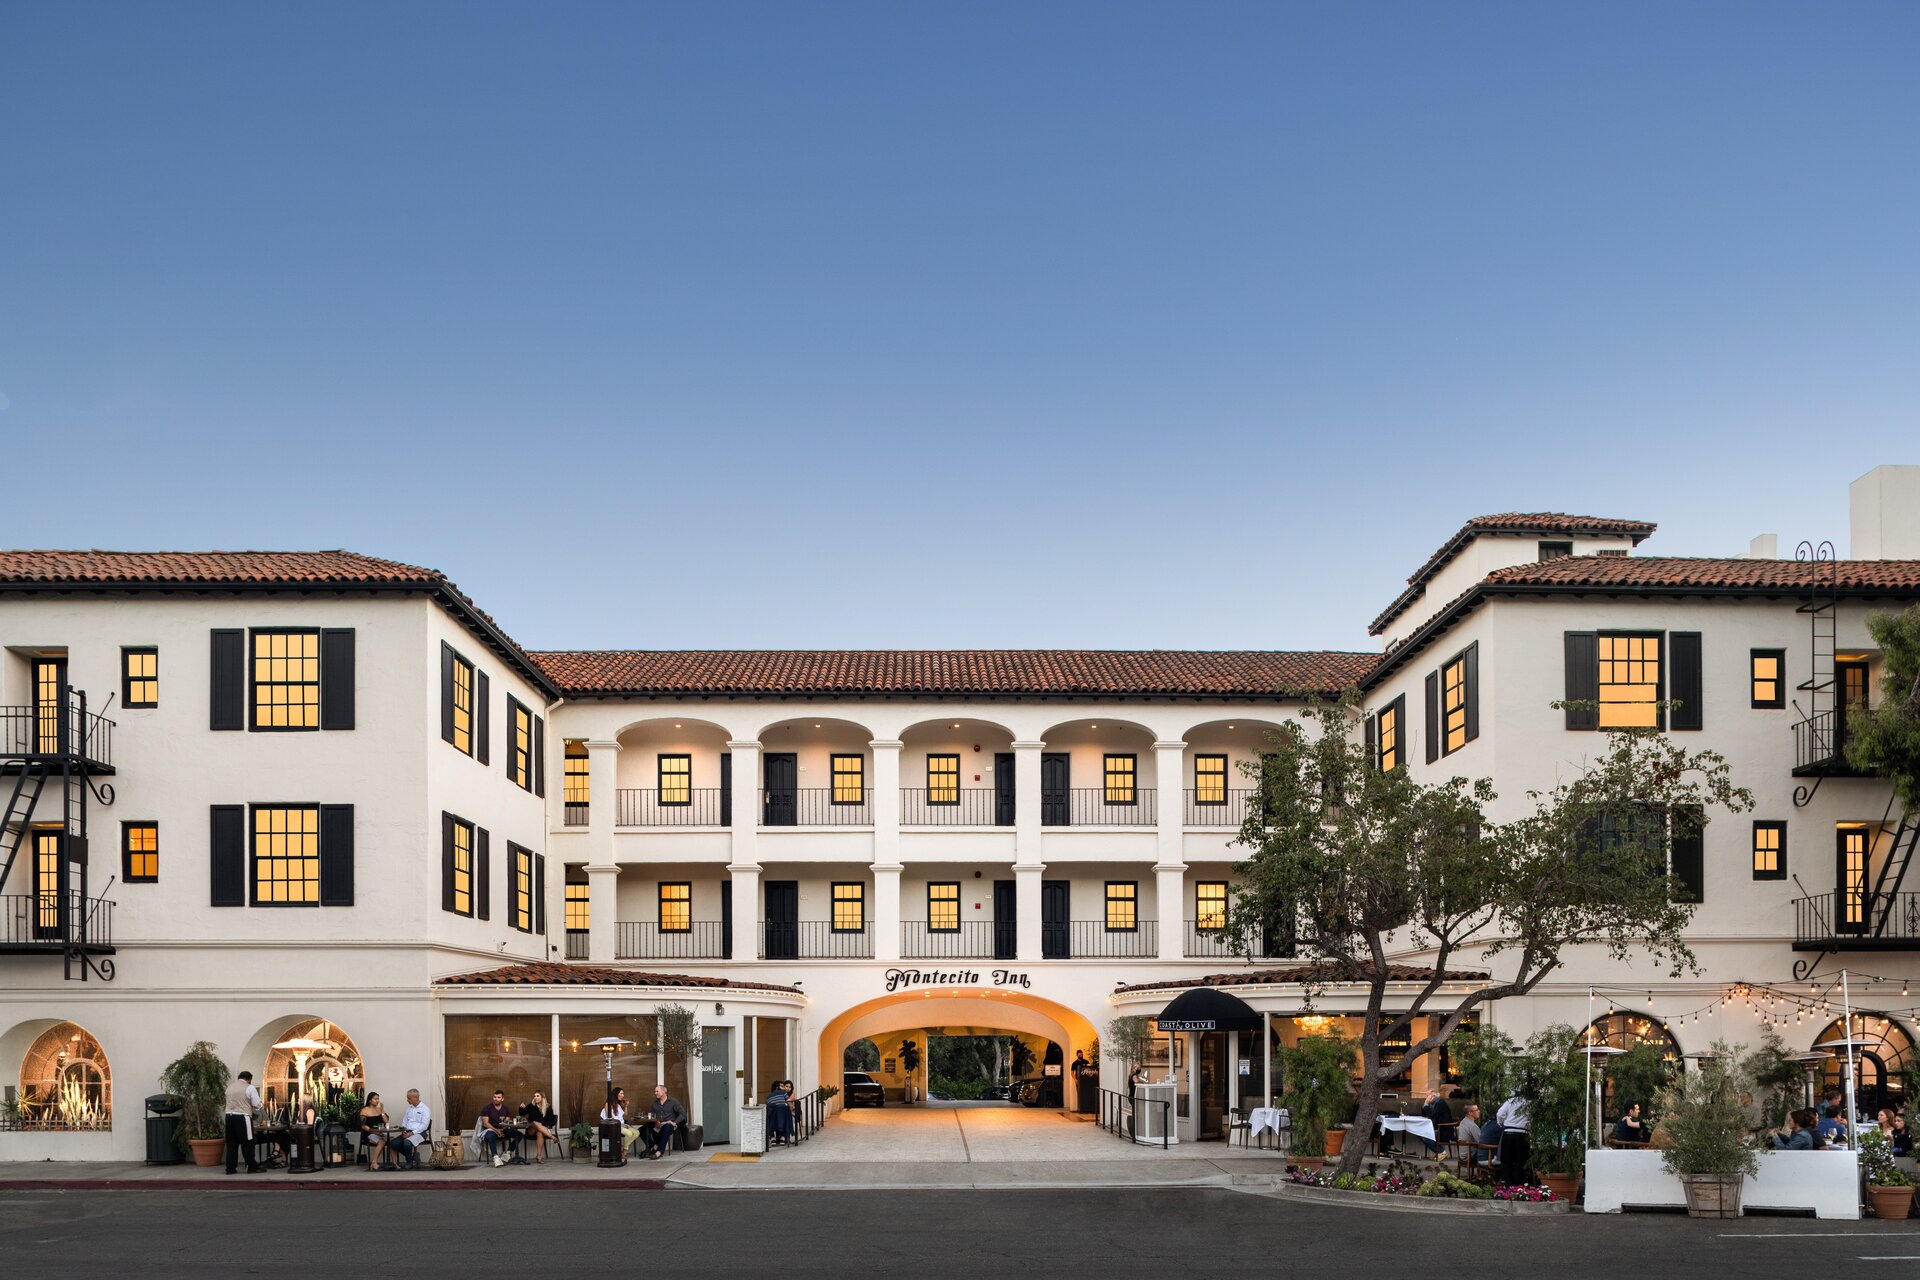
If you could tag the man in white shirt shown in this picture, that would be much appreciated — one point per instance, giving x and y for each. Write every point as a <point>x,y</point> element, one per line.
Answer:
<point>417,1120</point>
<point>1516,1147</point>
<point>242,1101</point>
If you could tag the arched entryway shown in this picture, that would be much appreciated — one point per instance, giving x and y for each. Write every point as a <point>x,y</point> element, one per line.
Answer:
<point>1885,1050</point>
<point>65,1081</point>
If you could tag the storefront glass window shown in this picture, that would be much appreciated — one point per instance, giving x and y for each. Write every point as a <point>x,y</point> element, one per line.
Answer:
<point>485,1053</point>
<point>583,1072</point>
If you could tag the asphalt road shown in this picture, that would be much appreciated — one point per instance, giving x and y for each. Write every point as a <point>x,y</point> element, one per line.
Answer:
<point>979,1234</point>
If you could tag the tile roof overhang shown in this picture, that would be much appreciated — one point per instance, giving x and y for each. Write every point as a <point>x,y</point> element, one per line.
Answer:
<point>545,974</point>
<point>1318,974</point>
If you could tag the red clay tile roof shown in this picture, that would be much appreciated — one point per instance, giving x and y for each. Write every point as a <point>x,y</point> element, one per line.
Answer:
<point>1679,573</point>
<point>581,975</point>
<point>1303,973</point>
<point>1508,522</point>
<point>979,672</point>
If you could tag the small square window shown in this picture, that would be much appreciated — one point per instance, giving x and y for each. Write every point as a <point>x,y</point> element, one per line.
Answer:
<point>140,852</point>
<point>1769,851</point>
<point>140,677</point>
<point>1768,674</point>
<point>1123,906</point>
<point>1555,550</point>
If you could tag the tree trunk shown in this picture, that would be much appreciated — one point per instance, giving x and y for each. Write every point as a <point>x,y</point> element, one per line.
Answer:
<point>1358,1144</point>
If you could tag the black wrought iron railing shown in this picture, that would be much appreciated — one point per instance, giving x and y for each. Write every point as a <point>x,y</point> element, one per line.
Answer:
<point>1210,942</point>
<point>966,807</point>
<point>1124,1115</point>
<point>577,944</point>
<point>55,919</point>
<point>1098,807</point>
<point>816,807</point>
<point>50,730</point>
<point>650,940</point>
<point>576,814</point>
<point>1217,808</point>
<point>1098,940</point>
<point>1858,918</point>
<point>814,940</point>
<point>965,940</point>
<point>651,807</point>
<point>809,1114</point>
<point>1817,739</point>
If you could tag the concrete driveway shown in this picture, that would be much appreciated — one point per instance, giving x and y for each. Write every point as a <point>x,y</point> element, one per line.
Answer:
<point>977,1132</point>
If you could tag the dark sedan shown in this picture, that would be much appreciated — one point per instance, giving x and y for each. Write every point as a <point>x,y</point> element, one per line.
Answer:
<point>863,1090</point>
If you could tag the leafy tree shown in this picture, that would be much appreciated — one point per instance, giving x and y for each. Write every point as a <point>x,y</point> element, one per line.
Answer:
<point>1705,1125</point>
<point>1638,1075</point>
<point>1552,1077</point>
<point>1779,1083</point>
<point>1129,1038</point>
<point>1885,740</point>
<point>861,1055</point>
<point>1374,865</point>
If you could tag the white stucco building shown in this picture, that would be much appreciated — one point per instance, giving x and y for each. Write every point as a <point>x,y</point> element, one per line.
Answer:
<point>324,794</point>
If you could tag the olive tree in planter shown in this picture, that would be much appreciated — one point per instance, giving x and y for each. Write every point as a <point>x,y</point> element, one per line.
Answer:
<point>1315,1090</point>
<point>909,1063</point>
<point>1704,1135</point>
<point>198,1079</point>
<point>1130,1039</point>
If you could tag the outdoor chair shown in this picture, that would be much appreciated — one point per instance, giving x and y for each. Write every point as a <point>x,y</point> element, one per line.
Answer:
<point>558,1142</point>
<point>1242,1127</point>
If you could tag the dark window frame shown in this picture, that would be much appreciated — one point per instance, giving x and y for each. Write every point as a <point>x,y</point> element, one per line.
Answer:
<point>472,872</point>
<point>1132,900</point>
<point>1226,892</point>
<point>1132,775</point>
<point>473,716</point>
<point>128,679</point>
<point>585,899</point>
<point>660,778</point>
<point>516,708</point>
<point>1398,710</point>
<point>568,775</point>
<point>1198,798</point>
<point>1779,700</point>
<point>931,788</point>
<point>1457,662</point>
<point>834,775</point>
<point>1600,685</point>
<point>833,905</point>
<point>660,905</point>
<point>1553,549</point>
<point>943,884</point>
<point>253,853</point>
<point>127,851</point>
<point>1779,851</point>
<point>254,683</point>
<point>520,866</point>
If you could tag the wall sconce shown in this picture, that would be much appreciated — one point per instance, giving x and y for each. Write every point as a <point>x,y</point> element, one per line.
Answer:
<point>719,1010</point>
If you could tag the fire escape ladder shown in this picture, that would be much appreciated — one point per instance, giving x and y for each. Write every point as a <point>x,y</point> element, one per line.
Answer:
<point>18,814</point>
<point>1817,737</point>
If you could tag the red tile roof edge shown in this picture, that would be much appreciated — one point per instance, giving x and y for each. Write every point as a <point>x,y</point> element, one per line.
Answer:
<point>549,974</point>
<point>1318,973</point>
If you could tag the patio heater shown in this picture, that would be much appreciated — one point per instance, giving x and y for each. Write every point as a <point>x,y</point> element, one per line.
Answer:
<point>1810,1063</point>
<point>1596,1100</point>
<point>608,1045</point>
<point>302,1048</point>
<point>1846,1050</point>
<point>612,1142</point>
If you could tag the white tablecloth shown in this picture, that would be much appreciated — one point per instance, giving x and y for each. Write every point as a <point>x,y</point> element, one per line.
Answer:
<point>1266,1120</point>
<point>1418,1126</point>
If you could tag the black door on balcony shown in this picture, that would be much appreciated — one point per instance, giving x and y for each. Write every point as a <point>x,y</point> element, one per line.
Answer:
<point>783,920</point>
<point>726,919</point>
<point>1003,790</point>
<point>1006,921</point>
<point>49,885</point>
<point>1056,779</point>
<point>726,788</point>
<point>782,787</point>
<point>49,726</point>
<point>1849,695</point>
<point>1055,943</point>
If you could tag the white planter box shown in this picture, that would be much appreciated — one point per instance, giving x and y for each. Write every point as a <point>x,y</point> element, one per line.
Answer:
<point>1826,1182</point>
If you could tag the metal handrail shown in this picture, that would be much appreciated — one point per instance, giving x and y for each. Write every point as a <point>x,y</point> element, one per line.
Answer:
<point>55,919</point>
<point>1096,807</point>
<point>814,940</point>
<point>649,807</point>
<point>815,807</point>
<point>1229,811</point>
<point>964,807</point>
<point>45,731</point>
<point>968,940</point>
<point>647,940</point>
<point>1117,1111</point>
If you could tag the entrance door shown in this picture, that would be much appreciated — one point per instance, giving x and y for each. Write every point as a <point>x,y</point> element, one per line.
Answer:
<point>782,770</point>
<point>1215,1047</point>
<point>1003,788</point>
<point>783,920</point>
<point>1056,777</point>
<point>1055,943</point>
<point>49,886</point>
<point>716,1083</point>
<point>1006,921</point>
<point>726,788</point>
<point>1850,878</point>
<point>49,726</point>
<point>1849,696</point>
<point>726,919</point>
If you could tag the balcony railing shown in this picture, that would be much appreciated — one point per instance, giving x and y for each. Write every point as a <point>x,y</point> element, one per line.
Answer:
<point>1209,944</point>
<point>814,940</point>
<point>815,807</point>
<point>1095,807</point>
<point>576,814</point>
<point>648,807</point>
<point>1230,810</point>
<point>968,807</point>
<point>34,921</point>
<point>1857,921</point>
<point>1093,939</point>
<point>577,944</point>
<point>69,729</point>
<point>647,940</point>
<point>969,940</point>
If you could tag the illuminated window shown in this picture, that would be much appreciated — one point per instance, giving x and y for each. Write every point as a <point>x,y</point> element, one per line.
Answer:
<point>676,908</point>
<point>49,675</point>
<point>286,856</point>
<point>49,909</point>
<point>1387,730</point>
<point>1769,851</point>
<point>140,677</point>
<point>286,680</point>
<point>460,867</point>
<point>1210,904</point>
<point>1629,681</point>
<point>139,851</point>
<point>1769,671</point>
<point>849,907</point>
<point>577,898</point>
<point>1121,771</point>
<point>1453,705</point>
<point>676,779</point>
<point>1851,856</point>
<point>65,1083</point>
<point>1122,906</point>
<point>1209,779</point>
<point>943,779</point>
<point>943,907</point>
<point>519,745</point>
<point>849,780</point>
<point>521,862</point>
<point>462,705</point>
<point>575,788</point>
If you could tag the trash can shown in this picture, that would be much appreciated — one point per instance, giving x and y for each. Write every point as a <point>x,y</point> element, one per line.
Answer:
<point>163,1129</point>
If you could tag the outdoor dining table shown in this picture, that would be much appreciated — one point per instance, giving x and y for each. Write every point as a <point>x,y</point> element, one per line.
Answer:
<point>1267,1119</point>
<point>387,1136</point>
<point>1418,1126</point>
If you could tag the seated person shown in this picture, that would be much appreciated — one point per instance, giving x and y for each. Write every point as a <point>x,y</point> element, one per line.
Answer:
<point>417,1120</point>
<point>496,1138</point>
<point>779,1114</point>
<point>1831,1128</point>
<point>669,1118</point>
<point>1435,1108</point>
<point>615,1112</point>
<point>1899,1135</point>
<point>1799,1133</point>
<point>1468,1133</point>
<point>541,1123</point>
<point>1630,1127</point>
<point>373,1120</point>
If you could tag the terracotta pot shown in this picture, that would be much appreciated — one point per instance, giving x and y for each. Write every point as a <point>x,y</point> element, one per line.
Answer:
<point>1563,1185</point>
<point>207,1152</point>
<point>1336,1139</point>
<point>1708,1197</point>
<point>1891,1202</point>
<point>1312,1164</point>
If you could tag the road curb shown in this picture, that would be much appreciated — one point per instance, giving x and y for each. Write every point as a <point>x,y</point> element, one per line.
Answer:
<point>1405,1204</point>
<point>446,1184</point>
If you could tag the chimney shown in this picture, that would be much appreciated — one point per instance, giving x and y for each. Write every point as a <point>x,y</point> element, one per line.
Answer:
<point>1764,547</point>
<point>1884,506</point>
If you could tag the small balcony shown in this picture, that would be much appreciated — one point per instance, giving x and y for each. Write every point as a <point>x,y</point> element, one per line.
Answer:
<point>816,807</point>
<point>650,940</point>
<point>967,940</point>
<point>578,947</point>
<point>650,807</point>
<point>31,923</point>
<point>52,732</point>
<point>1820,746</point>
<point>1858,921</point>
<point>1217,944</point>
<point>1096,940</point>
<point>1227,809</point>
<point>1098,807</point>
<point>965,807</point>
<point>814,940</point>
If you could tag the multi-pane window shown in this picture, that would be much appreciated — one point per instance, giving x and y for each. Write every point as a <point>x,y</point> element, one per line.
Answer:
<point>521,863</point>
<point>1629,681</point>
<point>849,779</point>
<point>577,898</point>
<point>943,907</point>
<point>1852,860</point>
<point>1555,550</point>
<point>1769,851</point>
<point>676,779</point>
<point>140,677</point>
<point>1121,771</point>
<point>575,785</point>
<point>849,907</point>
<point>49,674</point>
<point>1210,779</point>
<point>943,779</point>
<point>139,851</point>
<point>1389,729</point>
<point>461,867</point>
<point>462,705</point>
<point>519,745</point>
<point>47,910</point>
<point>1768,673</point>
<point>676,907</point>
<point>1123,914</point>
<point>286,856</point>
<point>1210,904</point>
<point>286,680</point>
<point>1453,705</point>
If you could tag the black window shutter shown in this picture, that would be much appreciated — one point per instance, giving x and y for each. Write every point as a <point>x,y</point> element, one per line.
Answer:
<point>1373,740</point>
<point>1471,690</point>
<point>446,862</point>
<point>1689,854</point>
<point>1583,679</point>
<point>482,875</point>
<point>336,678</point>
<point>1687,712</point>
<point>228,701</point>
<point>446,692</point>
<point>336,852</point>
<point>540,893</point>
<point>726,789</point>
<point>511,739</point>
<point>482,720</point>
<point>1433,716</point>
<point>228,855</point>
<point>540,755</point>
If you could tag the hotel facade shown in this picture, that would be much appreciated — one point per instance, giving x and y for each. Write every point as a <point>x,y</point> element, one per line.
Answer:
<point>252,797</point>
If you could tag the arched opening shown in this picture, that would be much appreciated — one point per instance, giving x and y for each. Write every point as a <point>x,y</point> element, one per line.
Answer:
<point>674,772</point>
<point>814,772</point>
<point>862,1055</point>
<point>1648,1060</point>
<point>956,772</point>
<point>330,1070</point>
<point>65,1081</point>
<point>1098,772</point>
<point>1884,1049</point>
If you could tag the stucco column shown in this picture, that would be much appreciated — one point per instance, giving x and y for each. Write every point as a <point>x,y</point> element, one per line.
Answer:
<point>1026,895</point>
<point>1169,872</point>
<point>746,808</point>
<point>886,803</point>
<point>603,782</point>
<point>1028,863</point>
<point>746,911</point>
<point>1170,904</point>
<point>886,911</point>
<point>603,911</point>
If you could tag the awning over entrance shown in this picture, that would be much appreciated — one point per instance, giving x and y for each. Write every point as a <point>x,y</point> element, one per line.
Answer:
<point>1204,1009</point>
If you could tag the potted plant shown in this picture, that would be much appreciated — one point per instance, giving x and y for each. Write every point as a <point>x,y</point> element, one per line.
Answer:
<point>1704,1135</point>
<point>1889,1188</point>
<point>198,1079</point>
<point>1316,1073</point>
<point>581,1137</point>
<point>1553,1083</point>
<point>909,1063</point>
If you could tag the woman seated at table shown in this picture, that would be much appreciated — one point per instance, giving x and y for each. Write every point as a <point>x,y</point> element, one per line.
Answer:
<point>373,1125</point>
<point>616,1112</point>
<point>541,1124</point>
<point>1798,1135</point>
<point>779,1114</point>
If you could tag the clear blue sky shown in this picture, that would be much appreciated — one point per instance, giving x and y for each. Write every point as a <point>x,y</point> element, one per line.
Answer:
<point>898,324</point>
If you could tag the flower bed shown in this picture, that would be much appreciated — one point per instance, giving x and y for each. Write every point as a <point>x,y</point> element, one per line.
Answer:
<point>1399,1181</point>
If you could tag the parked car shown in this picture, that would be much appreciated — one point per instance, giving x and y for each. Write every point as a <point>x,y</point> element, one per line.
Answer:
<point>863,1090</point>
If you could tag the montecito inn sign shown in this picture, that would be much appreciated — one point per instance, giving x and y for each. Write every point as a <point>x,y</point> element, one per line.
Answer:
<point>899,979</point>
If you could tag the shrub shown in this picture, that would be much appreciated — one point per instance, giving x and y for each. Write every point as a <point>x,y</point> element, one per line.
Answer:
<point>1448,1186</point>
<point>198,1079</point>
<point>1876,1161</point>
<point>1705,1127</point>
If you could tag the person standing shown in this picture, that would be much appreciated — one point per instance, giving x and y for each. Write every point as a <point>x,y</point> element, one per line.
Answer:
<point>669,1117</point>
<point>242,1101</point>
<point>1516,1145</point>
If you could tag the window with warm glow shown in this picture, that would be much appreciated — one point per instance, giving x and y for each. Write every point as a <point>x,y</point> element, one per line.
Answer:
<point>286,856</point>
<point>1629,681</point>
<point>140,677</point>
<point>1769,851</point>
<point>676,779</point>
<point>462,705</point>
<point>522,860</point>
<point>520,744</point>
<point>48,676</point>
<point>575,786</point>
<point>463,868</point>
<point>1769,669</point>
<point>1121,771</point>
<point>1122,906</point>
<point>849,779</point>
<point>1387,729</point>
<point>1210,779</point>
<point>286,680</point>
<point>140,851</point>
<point>849,907</point>
<point>46,881</point>
<point>943,907</point>
<point>1853,847</point>
<point>943,779</point>
<point>676,907</point>
<point>1453,705</point>
<point>1210,904</point>
<point>577,898</point>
